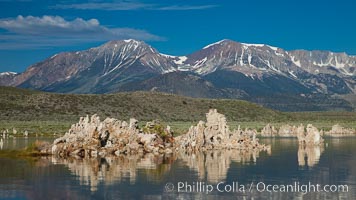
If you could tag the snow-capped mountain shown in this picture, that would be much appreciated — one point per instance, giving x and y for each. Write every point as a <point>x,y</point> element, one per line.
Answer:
<point>225,69</point>
<point>259,58</point>
<point>321,71</point>
<point>255,59</point>
<point>97,69</point>
<point>6,77</point>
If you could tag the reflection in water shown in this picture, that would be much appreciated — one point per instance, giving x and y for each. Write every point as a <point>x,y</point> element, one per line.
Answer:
<point>144,177</point>
<point>309,155</point>
<point>92,171</point>
<point>12,142</point>
<point>214,165</point>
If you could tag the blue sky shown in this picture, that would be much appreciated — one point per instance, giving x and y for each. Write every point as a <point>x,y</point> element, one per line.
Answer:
<point>31,31</point>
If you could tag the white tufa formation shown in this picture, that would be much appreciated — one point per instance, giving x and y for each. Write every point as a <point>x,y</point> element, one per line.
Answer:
<point>215,134</point>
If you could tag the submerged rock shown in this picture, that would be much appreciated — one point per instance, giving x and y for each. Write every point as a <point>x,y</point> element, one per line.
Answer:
<point>215,134</point>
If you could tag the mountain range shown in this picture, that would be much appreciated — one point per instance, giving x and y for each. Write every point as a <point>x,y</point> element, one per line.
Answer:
<point>295,80</point>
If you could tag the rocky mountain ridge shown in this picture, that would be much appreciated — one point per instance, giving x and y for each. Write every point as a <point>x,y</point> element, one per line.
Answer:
<point>225,69</point>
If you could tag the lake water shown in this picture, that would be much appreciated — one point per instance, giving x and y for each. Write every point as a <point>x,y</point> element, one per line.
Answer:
<point>226,174</point>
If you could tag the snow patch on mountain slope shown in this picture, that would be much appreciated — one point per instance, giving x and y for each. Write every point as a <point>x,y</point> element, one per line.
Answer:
<point>202,70</point>
<point>273,48</point>
<point>339,65</point>
<point>167,56</point>
<point>295,61</point>
<point>130,40</point>
<point>260,45</point>
<point>181,60</point>
<point>279,54</point>
<point>7,73</point>
<point>336,63</point>
<point>253,45</point>
<point>292,74</point>
<point>343,70</point>
<point>169,70</point>
<point>199,63</point>
<point>215,43</point>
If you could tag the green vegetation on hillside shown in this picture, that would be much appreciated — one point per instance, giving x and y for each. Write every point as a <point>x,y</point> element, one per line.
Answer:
<point>22,105</point>
<point>48,113</point>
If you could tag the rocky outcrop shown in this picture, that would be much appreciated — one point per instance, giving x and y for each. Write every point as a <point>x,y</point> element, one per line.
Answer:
<point>215,134</point>
<point>269,131</point>
<point>92,137</point>
<point>287,131</point>
<point>339,131</point>
<point>312,137</point>
<point>300,132</point>
<point>310,145</point>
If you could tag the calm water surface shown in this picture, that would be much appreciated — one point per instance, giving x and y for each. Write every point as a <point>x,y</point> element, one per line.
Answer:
<point>158,177</point>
